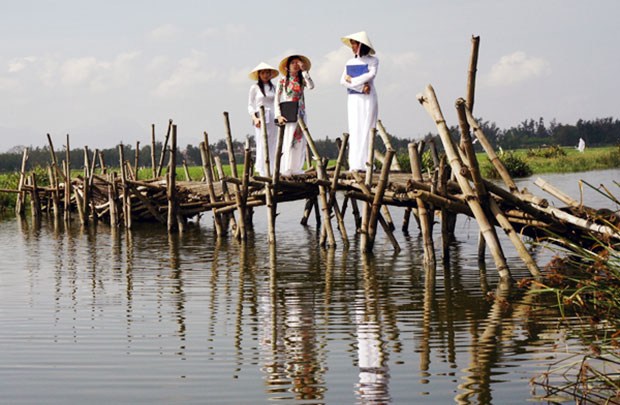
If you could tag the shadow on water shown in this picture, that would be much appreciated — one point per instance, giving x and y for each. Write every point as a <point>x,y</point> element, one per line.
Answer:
<point>192,317</point>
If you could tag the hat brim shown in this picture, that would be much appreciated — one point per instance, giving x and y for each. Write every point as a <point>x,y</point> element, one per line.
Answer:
<point>305,60</point>
<point>347,42</point>
<point>254,74</point>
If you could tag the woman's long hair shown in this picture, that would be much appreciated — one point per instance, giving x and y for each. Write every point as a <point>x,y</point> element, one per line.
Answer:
<point>288,74</point>
<point>261,85</point>
<point>363,50</point>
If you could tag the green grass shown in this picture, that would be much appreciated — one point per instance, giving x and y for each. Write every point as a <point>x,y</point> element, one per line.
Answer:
<point>574,161</point>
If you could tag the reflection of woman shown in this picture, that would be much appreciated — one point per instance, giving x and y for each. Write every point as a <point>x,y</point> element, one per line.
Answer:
<point>262,94</point>
<point>358,77</point>
<point>291,88</point>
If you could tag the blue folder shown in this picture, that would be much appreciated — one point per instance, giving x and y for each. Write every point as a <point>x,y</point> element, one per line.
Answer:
<point>354,71</point>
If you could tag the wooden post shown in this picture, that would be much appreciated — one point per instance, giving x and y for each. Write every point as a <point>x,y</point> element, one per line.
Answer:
<point>247,165</point>
<point>186,170</point>
<point>153,161</point>
<point>67,183</point>
<point>102,163</point>
<point>322,189</point>
<point>431,105</point>
<point>368,184</point>
<point>85,184</point>
<point>136,164</point>
<point>426,225</point>
<point>126,202</point>
<point>384,224</point>
<point>376,203</point>
<point>388,144</point>
<point>333,203</point>
<point>163,150</point>
<point>209,180</point>
<point>171,176</point>
<point>54,184</point>
<point>112,199</point>
<point>34,197</point>
<point>21,197</point>
<point>240,232</point>
<point>228,217</point>
<point>269,198</point>
<point>471,74</point>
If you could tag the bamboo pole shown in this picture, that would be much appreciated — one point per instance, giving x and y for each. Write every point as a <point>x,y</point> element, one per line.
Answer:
<point>431,104</point>
<point>34,197</point>
<point>369,197</point>
<point>388,145</point>
<point>368,184</point>
<point>332,202</point>
<point>102,163</point>
<point>54,160</point>
<point>163,149</point>
<point>67,183</point>
<point>86,191</point>
<point>471,74</point>
<point>136,164</point>
<point>153,158</point>
<point>186,170</point>
<point>126,202</point>
<point>112,199</point>
<point>21,197</point>
<point>233,169</point>
<point>426,225</point>
<point>271,217</point>
<point>226,193</point>
<point>483,195</point>
<point>331,241</point>
<point>209,180</point>
<point>376,204</point>
<point>171,175</point>
<point>247,165</point>
<point>557,193</point>
<point>54,183</point>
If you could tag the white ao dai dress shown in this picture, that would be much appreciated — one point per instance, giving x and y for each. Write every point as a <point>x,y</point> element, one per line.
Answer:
<point>362,109</point>
<point>256,100</point>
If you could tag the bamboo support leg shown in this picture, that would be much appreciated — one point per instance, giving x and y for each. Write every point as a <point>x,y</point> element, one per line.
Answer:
<point>240,231</point>
<point>21,197</point>
<point>376,204</point>
<point>431,104</point>
<point>163,150</point>
<point>426,226</point>
<point>173,222</point>
<point>209,180</point>
<point>323,193</point>
<point>153,161</point>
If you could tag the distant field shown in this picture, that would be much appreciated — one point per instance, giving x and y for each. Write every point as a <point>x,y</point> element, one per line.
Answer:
<point>591,159</point>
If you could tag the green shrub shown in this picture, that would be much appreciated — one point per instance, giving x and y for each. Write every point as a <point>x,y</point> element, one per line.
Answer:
<point>514,164</point>
<point>552,151</point>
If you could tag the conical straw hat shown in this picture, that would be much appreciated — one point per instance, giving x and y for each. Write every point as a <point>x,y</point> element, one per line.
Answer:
<point>305,60</point>
<point>361,37</point>
<point>263,66</point>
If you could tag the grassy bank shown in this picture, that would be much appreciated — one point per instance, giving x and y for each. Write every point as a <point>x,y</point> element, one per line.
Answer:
<point>572,161</point>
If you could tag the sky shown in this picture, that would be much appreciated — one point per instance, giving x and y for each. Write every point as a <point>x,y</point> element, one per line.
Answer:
<point>104,71</point>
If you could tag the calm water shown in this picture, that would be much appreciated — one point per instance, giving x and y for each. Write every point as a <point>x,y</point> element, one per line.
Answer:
<point>97,316</point>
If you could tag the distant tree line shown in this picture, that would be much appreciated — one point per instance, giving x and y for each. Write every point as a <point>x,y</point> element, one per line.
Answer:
<point>528,134</point>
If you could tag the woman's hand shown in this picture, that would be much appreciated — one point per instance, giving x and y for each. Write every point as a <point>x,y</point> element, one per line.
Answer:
<point>348,78</point>
<point>281,120</point>
<point>256,122</point>
<point>366,89</point>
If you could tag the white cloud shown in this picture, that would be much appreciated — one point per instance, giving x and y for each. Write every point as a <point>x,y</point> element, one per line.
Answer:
<point>191,71</point>
<point>19,64</point>
<point>166,32</point>
<point>516,68</point>
<point>329,69</point>
<point>230,31</point>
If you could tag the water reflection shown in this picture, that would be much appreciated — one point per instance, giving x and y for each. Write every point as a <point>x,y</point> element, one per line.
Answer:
<point>193,317</point>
